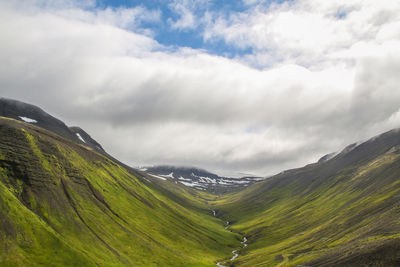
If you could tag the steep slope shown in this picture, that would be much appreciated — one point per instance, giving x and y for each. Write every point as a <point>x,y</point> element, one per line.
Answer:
<point>62,203</point>
<point>202,179</point>
<point>34,115</point>
<point>65,202</point>
<point>342,211</point>
<point>86,139</point>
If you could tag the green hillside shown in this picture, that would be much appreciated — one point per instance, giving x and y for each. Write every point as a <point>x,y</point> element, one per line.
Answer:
<point>343,212</point>
<point>62,204</point>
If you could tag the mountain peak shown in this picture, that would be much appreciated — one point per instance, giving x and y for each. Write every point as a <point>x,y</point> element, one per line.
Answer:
<point>201,179</point>
<point>32,114</point>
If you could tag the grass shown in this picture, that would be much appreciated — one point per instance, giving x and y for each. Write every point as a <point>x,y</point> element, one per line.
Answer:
<point>63,204</point>
<point>70,206</point>
<point>293,226</point>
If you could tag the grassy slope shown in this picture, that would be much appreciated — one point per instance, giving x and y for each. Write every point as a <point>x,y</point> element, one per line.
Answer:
<point>322,216</point>
<point>62,204</point>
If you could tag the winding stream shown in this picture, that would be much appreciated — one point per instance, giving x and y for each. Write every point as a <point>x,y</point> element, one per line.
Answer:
<point>234,252</point>
<point>244,242</point>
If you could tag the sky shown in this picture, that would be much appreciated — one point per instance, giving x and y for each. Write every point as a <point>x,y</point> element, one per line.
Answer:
<point>235,87</point>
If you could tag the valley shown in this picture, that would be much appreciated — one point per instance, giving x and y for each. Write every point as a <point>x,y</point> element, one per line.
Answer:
<point>65,202</point>
<point>200,133</point>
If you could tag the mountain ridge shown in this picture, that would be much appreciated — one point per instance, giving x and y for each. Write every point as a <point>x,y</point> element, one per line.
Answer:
<point>202,179</point>
<point>35,115</point>
<point>313,215</point>
<point>64,202</point>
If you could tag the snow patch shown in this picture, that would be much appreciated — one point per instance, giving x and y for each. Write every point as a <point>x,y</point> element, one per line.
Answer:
<point>26,119</point>
<point>189,184</point>
<point>194,184</point>
<point>159,177</point>
<point>240,182</point>
<point>171,175</point>
<point>80,137</point>
<point>208,179</point>
<point>184,179</point>
<point>147,179</point>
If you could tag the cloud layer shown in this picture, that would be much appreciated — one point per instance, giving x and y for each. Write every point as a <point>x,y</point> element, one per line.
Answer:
<point>319,76</point>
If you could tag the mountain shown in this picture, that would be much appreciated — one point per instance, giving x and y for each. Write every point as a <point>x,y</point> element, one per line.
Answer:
<point>86,139</point>
<point>36,116</point>
<point>341,211</point>
<point>202,179</point>
<point>32,114</point>
<point>65,202</point>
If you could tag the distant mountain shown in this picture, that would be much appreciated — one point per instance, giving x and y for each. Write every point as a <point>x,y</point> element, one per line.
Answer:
<point>191,177</point>
<point>202,179</point>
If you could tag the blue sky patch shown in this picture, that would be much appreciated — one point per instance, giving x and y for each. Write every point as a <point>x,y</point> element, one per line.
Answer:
<point>191,37</point>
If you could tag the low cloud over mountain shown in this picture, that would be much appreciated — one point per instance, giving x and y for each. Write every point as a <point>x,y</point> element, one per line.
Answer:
<point>269,103</point>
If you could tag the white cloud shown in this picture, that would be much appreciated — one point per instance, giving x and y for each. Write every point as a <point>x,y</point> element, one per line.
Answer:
<point>147,105</point>
<point>86,11</point>
<point>187,12</point>
<point>187,19</point>
<point>307,32</point>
